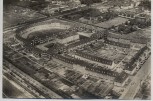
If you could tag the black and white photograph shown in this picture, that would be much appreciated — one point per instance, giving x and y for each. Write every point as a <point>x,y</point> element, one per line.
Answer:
<point>76,49</point>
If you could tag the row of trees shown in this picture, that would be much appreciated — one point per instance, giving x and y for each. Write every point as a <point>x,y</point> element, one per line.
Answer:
<point>132,25</point>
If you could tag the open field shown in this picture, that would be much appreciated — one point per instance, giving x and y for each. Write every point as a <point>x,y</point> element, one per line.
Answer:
<point>15,15</point>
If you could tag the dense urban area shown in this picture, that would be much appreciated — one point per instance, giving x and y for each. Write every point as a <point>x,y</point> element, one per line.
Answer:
<point>77,49</point>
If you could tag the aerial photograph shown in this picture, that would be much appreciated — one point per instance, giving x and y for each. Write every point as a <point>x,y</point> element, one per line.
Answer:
<point>76,49</point>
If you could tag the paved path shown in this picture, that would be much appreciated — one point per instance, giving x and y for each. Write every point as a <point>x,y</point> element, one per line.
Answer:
<point>135,84</point>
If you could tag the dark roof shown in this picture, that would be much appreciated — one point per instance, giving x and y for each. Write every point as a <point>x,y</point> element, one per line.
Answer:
<point>117,44</point>
<point>102,70</point>
<point>37,50</point>
<point>94,58</point>
<point>81,42</point>
<point>66,35</point>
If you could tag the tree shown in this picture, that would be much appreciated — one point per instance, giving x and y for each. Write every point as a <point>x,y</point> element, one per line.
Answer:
<point>126,23</point>
<point>89,2</point>
<point>143,88</point>
<point>113,27</point>
<point>116,3</point>
<point>145,4</point>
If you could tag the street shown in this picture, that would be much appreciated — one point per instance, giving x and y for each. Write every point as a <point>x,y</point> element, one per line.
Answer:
<point>133,87</point>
